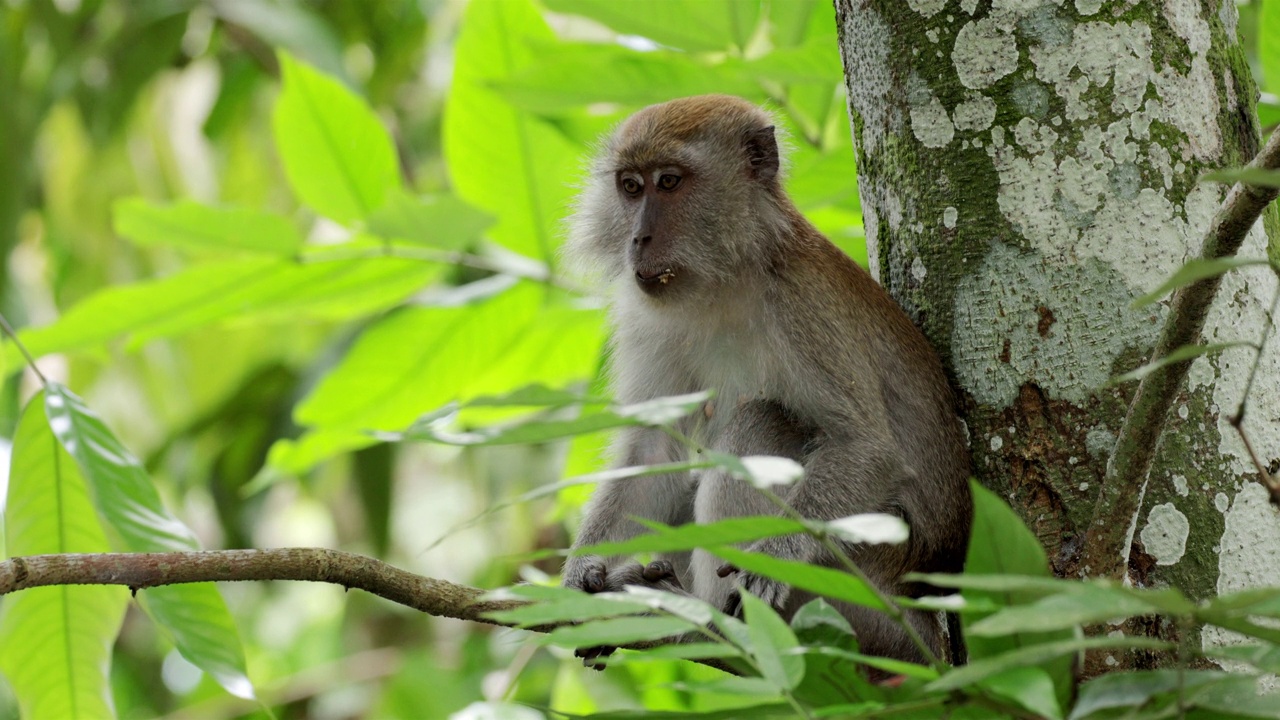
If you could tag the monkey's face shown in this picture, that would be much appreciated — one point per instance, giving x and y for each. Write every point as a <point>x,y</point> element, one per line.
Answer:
<point>682,200</point>
<point>654,199</point>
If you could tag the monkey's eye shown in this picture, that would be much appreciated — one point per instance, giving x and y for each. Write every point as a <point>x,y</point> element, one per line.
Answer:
<point>630,186</point>
<point>668,182</point>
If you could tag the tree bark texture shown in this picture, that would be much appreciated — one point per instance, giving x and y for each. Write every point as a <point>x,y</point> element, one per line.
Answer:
<point>1027,169</point>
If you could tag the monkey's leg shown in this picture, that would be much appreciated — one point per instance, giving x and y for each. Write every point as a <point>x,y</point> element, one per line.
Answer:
<point>757,427</point>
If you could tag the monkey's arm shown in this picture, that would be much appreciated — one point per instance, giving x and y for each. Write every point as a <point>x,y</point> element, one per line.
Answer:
<point>665,498</point>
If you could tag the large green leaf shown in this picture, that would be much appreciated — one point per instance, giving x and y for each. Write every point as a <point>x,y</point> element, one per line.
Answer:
<point>501,159</point>
<point>55,642</point>
<point>574,75</point>
<point>702,25</point>
<point>1001,545</point>
<point>337,156</point>
<point>194,226</point>
<point>773,641</point>
<point>418,359</point>
<point>193,616</point>
<point>241,289</point>
<point>442,221</point>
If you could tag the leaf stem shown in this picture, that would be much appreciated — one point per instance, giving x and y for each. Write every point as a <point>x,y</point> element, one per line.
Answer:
<point>31,361</point>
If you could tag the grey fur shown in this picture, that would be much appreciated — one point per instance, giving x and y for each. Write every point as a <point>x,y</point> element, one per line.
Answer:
<point>810,359</point>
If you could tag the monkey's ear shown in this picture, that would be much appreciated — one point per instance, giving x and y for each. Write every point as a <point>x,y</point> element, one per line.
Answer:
<point>762,153</point>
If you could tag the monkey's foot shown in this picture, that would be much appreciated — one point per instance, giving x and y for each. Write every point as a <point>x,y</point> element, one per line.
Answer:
<point>595,657</point>
<point>771,592</point>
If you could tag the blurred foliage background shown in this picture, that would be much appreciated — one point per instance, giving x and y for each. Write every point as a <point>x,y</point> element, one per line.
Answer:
<point>247,232</point>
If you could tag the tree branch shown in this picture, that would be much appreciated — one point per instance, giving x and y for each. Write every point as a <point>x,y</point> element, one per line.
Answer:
<point>1105,554</point>
<point>139,571</point>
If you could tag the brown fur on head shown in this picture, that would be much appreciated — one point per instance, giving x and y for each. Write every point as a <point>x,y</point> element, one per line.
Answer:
<point>725,212</point>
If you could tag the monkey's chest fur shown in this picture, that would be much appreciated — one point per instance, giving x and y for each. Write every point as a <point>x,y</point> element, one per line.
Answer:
<point>738,352</point>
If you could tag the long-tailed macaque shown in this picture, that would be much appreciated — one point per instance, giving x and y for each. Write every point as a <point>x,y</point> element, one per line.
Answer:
<point>717,281</point>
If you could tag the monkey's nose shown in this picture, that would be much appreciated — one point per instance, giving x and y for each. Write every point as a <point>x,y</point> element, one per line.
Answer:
<point>638,240</point>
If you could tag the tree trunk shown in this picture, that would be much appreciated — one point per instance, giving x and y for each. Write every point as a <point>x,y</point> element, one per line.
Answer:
<point>1027,169</point>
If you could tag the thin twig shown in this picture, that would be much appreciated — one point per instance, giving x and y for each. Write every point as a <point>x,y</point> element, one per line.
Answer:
<point>13,337</point>
<point>1237,420</point>
<point>1105,553</point>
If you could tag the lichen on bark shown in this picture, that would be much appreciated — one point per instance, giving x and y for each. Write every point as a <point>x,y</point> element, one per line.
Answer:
<point>1029,168</point>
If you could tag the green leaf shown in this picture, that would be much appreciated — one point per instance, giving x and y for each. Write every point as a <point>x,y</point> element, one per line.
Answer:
<point>889,665</point>
<point>601,605</point>
<point>193,616</point>
<point>535,395</point>
<point>1266,658</point>
<point>772,639</point>
<point>440,221</point>
<point>703,25</point>
<point>730,531</point>
<point>1195,270</point>
<point>1084,605</point>
<point>1182,354</point>
<point>619,631</point>
<point>121,490</point>
<point>1038,654</point>
<point>55,642</point>
<point>417,359</point>
<point>1000,544</point>
<point>821,179</point>
<point>818,580</point>
<point>336,154</point>
<point>691,609</point>
<point>1026,586</point>
<point>215,292</point>
<point>1244,626</point>
<point>538,429</point>
<point>571,75</point>
<point>1236,697</point>
<point>191,225</point>
<point>1029,687</point>
<point>501,159</point>
<point>1133,689</point>
<point>1247,175</point>
<point>692,651</point>
<point>289,25</point>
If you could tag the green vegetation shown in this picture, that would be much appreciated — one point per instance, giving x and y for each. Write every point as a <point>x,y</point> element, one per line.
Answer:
<point>289,271</point>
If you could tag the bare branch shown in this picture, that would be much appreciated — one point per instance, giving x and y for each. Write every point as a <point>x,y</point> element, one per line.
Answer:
<point>1105,554</point>
<point>139,571</point>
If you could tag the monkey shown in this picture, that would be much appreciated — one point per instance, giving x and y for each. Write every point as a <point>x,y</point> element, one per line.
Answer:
<point>715,280</point>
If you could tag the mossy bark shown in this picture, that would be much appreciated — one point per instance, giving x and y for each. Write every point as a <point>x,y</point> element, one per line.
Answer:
<point>1026,171</point>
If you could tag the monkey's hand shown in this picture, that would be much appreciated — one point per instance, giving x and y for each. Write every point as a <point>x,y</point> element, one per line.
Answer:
<point>593,575</point>
<point>772,592</point>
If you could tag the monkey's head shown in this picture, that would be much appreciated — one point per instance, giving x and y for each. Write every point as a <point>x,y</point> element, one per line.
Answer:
<point>683,197</point>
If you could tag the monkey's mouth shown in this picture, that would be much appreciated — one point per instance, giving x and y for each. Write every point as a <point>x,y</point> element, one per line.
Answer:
<point>651,282</point>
